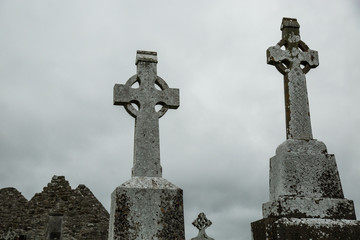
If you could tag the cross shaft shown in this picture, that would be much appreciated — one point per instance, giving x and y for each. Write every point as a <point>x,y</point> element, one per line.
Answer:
<point>294,62</point>
<point>146,97</point>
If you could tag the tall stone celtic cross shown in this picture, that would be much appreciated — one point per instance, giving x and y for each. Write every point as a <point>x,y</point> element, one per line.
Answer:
<point>294,62</point>
<point>146,97</point>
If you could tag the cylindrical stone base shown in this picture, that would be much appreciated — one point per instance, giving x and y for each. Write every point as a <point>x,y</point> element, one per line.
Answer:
<point>146,208</point>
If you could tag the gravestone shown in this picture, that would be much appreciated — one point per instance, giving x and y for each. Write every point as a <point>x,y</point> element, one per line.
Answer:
<point>202,223</point>
<point>306,197</point>
<point>147,206</point>
<point>54,227</point>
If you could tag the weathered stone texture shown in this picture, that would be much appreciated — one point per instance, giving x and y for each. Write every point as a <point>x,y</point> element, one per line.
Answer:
<point>54,227</point>
<point>202,223</point>
<point>84,217</point>
<point>306,196</point>
<point>304,169</point>
<point>146,96</point>
<point>305,229</point>
<point>13,212</point>
<point>304,182</point>
<point>294,62</point>
<point>331,208</point>
<point>147,208</point>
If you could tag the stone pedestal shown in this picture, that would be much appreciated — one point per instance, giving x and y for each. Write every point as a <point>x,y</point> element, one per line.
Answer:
<point>146,208</point>
<point>305,229</point>
<point>304,168</point>
<point>304,182</point>
<point>306,197</point>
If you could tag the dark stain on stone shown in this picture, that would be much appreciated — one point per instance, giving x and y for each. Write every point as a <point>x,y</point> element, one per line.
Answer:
<point>273,229</point>
<point>122,215</point>
<point>124,229</point>
<point>172,219</point>
<point>342,211</point>
<point>329,188</point>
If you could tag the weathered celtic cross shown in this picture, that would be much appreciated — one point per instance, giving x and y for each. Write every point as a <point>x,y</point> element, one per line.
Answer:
<point>146,97</point>
<point>147,206</point>
<point>202,223</point>
<point>306,197</point>
<point>294,62</point>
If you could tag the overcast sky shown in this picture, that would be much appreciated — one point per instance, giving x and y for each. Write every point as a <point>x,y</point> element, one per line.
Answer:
<point>59,61</point>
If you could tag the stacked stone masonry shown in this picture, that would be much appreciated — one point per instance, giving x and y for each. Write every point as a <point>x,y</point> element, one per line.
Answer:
<point>83,216</point>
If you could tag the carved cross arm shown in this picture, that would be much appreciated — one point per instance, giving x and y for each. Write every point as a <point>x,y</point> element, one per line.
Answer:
<point>123,94</point>
<point>275,56</point>
<point>170,98</point>
<point>309,57</point>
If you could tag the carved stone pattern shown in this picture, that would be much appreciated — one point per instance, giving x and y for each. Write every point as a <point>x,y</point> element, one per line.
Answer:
<point>294,62</point>
<point>201,223</point>
<point>146,97</point>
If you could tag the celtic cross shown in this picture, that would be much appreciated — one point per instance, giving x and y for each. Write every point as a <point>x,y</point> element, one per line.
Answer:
<point>201,223</point>
<point>294,62</point>
<point>146,96</point>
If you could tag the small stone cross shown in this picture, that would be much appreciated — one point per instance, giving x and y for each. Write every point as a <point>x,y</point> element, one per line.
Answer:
<point>201,223</point>
<point>294,62</point>
<point>146,97</point>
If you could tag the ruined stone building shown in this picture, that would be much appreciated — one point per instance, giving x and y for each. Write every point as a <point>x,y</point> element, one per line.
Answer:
<point>58,212</point>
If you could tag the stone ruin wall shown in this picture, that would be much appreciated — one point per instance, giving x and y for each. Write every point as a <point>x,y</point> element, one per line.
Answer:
<point>84,217</point>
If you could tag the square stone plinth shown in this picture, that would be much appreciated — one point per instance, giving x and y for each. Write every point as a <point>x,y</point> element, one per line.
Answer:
<point>304,169</point>
<point>300,207</point>
<point>146,208</point>
<point>305,228</point>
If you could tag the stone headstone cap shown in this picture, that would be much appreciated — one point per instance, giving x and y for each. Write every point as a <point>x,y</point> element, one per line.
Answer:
<point>146,56</point>
<point>289,23</point>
